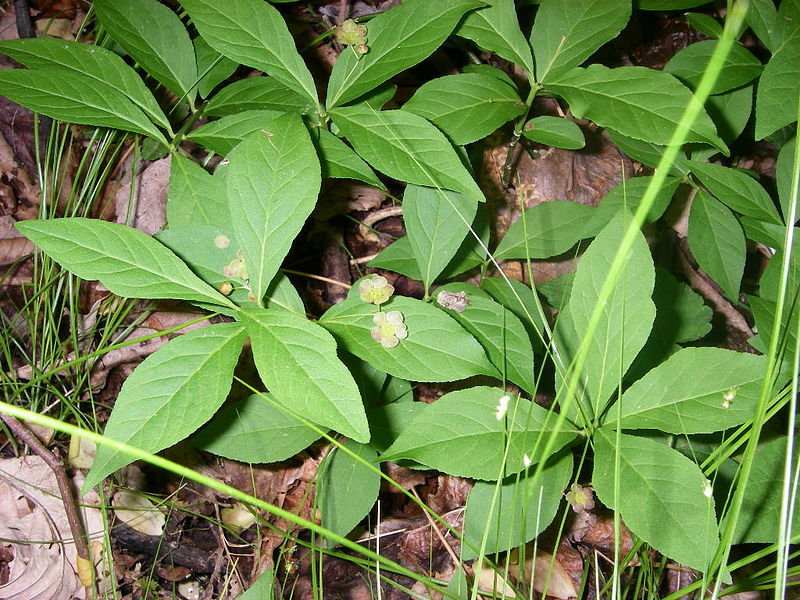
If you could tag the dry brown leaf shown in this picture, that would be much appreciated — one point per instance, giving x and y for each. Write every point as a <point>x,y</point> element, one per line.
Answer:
<point>139,513</point>
<point>149,199</point>
<point>543,568</point>
<point>32,509</point>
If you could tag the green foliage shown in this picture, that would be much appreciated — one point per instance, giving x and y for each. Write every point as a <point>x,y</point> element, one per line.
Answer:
<point>525,506</point>
<point>619,322</point>
<point>347,488</point>
<point>171,394</point>
<point>660,493</point>
<point>270,165</point>
<point>155,38</point>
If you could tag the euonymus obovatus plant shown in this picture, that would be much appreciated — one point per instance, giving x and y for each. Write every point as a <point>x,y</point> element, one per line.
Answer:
<point>667,423</point>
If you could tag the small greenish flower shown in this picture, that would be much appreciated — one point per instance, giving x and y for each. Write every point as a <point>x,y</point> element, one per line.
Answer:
<point>236,268</point>
<point>375,290</point>
<point>351,33</point>
<point>389,328</point>
<point>581,498</point>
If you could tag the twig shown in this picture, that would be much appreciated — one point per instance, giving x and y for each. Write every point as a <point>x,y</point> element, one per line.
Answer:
<point>55,463</point>
<point>343,10</point>
<point>701,285</point>
<point>22,14</point>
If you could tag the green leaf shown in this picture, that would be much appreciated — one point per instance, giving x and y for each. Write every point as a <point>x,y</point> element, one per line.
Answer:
<point>661,498</point>
<point>681,316</point>
<point>525,506</point>
<point>761,505</point>
<point>627,316</point>
<point>740,66</point>
<point>346,488</point>
<point>212,67</point>
<point>627,195</point>
<point>170,394</point>
<point>705,24</point>
<point>778,91</point>
<point>437,347</point>
<point>731,112</point>
<point>253,33</point>
<point>461,435</point>
<point>466,107</point>
<point>554,131</point>
<point>762,18</point>
<point>376,387</point>
<point>769,234</point>
<point>254,430</point>
<point>155,38</point>
<point>399,257</point>
<point>500,333</point>
<point>717,242</point>
<point>566,34</point>
<point>669,4</point>
<point>338,160</point>
<point>195,197</point>
<point>545,230</point>
<point>495,28</point>
<point>270,167</point>
<point>263,588</point>
<point>398,39</point>
<point>223,135</point>
<point>519,299</point>
<point>696,390</point>
<point>737,190</point>
<point>394,142</point>
<point>437,223</point>
<point>641,151</point>
<point>106,69</point>
<point>256,93</point>
<point>641,103</point>
<point>209,250</point>
<point>388,420</point>
<point>75,98</point>
<point>125,260</point>
<point>297,361</point>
